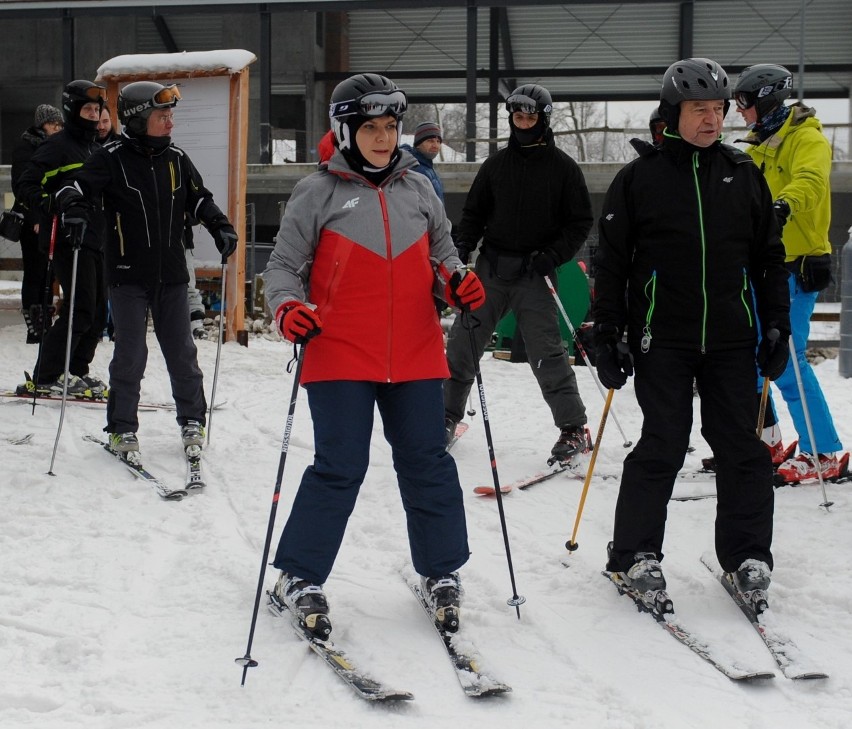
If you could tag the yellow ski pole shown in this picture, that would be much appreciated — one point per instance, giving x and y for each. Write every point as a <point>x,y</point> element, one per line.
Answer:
<point>571,545</point>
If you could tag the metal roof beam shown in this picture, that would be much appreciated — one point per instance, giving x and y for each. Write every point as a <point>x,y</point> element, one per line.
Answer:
<point>165,33</point>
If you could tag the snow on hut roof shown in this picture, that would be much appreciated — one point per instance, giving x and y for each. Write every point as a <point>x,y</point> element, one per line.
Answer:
<point>200,62</point>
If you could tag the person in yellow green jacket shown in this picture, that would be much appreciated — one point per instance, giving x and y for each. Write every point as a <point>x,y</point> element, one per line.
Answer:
<point>788,145</point>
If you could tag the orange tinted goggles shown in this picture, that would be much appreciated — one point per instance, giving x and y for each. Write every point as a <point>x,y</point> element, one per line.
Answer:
<point>168,96</point>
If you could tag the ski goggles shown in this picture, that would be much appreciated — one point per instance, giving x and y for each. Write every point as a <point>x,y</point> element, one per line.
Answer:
<point>96,93</point>
<point>169,96</point>
<point>525,104</point>
<point>374,104</point>
<point>745,100</point>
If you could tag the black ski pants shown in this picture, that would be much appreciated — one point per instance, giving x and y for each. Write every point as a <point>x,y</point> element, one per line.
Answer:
<point>170,312</point>
<point>536,313</point>
<point>744,513</point>
<point>89,314</point>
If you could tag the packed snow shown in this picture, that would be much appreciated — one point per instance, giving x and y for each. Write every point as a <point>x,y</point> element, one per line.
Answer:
<point>121,610</point>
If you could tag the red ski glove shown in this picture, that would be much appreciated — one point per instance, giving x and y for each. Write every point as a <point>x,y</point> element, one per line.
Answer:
<point>297,322</point>
<point>465,291</point>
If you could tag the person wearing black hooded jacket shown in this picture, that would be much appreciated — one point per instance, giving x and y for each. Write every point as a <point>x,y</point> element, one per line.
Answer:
<point>690,262</point>
<point>50,166</point>
<point>147,186</point>
<point>530,206</point>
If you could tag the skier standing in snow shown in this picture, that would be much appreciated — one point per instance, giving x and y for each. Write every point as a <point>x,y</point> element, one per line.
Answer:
<point>530,206</point>
<point>686,231</point>
<point>49,168</point>
<point>47,121</point>
<point>147,185</point>
<point>363,246</point>
<point>788,145</point>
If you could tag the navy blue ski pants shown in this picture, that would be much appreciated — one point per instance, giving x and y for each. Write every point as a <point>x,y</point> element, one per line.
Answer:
<point>413,418</point>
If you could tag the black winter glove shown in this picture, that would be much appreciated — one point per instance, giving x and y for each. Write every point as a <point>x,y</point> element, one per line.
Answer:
<point>544,263</point>
<point>75,220</point>
<point>613,360</point>
<point>464,251</point>
<point>773,352</point>
<point>782,212</point>
<point>225,238</point>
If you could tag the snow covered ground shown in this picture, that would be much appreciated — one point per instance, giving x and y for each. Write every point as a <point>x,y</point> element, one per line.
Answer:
<point>119,610</point>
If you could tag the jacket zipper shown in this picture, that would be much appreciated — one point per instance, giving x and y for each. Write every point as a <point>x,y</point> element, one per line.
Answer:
<point>645,344</point>
<point>120,234</point>
<point>703,252</point>
<point>389,264</point>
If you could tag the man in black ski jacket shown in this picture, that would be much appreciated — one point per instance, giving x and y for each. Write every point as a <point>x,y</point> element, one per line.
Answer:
<point>690,262</point>
<point>530,206</point>
<point>49,168</point>
<point>148,186</point>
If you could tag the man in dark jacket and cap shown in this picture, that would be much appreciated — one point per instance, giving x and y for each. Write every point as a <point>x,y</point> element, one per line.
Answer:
<point>427,145</point>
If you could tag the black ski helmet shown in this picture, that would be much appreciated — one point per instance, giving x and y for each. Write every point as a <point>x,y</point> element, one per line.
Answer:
<point>531,99</point>
<point>688,79</point>
<point>136,101</point>
<point>75,96</point>
<point>763,85</point>
<point>360,97</point>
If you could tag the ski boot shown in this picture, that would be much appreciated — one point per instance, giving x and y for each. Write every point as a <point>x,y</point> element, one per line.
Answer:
<point>444,596</point>
<point>307,602</point>
<point>752,580</point>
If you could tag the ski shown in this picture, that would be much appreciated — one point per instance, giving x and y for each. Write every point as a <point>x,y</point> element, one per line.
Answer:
<point>523,483</point>
<point>693,497</point>
<point>23,440</point>
<point>461,429</point>
<point>93,402</point>
<point>338,659</point>
<point>137,470</point>
<point>785,652</point>
<point>474,683</point>
<point>669,622</point>
<point>194,475</point>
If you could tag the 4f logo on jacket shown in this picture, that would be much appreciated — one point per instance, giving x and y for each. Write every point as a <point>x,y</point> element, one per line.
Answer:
<point>351,203</point>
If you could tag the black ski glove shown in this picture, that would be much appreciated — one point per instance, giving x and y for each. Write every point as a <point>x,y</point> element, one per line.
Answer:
<point>75,219</point>
<point>773,352</point>
<point>544,263</point>
<point>224,236</point>
<point>464,251</point>
<point>782,212</point>
<point>613,359</point>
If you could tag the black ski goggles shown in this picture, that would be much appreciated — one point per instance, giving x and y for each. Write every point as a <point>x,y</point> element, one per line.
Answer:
<point>745,100</point>
<point>525,104</point>
<point>374,104</point>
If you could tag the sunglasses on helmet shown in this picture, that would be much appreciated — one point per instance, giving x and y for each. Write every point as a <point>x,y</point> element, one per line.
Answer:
<point>374,104</point>
<point>525,104</point>
<point>168,96</point>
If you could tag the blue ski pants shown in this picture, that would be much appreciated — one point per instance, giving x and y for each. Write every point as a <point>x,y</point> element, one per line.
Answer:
<point>413,418</point>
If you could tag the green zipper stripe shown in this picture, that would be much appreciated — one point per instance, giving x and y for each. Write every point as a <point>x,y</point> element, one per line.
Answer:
<point>703,250</point>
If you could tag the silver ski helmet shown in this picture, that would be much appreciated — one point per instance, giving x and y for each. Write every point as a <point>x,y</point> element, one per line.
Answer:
<point>136,101</point>
<point>688,79</point>
<point>361,97</point>
<point>764,86</point>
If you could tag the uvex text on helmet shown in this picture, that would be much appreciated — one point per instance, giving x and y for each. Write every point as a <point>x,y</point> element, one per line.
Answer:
<point>530,99</point>
<point>765,86</point>
<point>364,95</point>
<point>136,101</point>
<point>79,93</point>
<point>688,79</point>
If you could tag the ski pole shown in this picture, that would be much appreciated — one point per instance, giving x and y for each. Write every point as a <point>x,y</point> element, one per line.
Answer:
<point>78,232</point>
<point>571,545</point>
<point>48,292</point>
<point>516,600</point>
<point>247,661</point>
<point>815,455</point>
<point>470,409</point>
<point>627,443</point>
<point>218,352</point>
